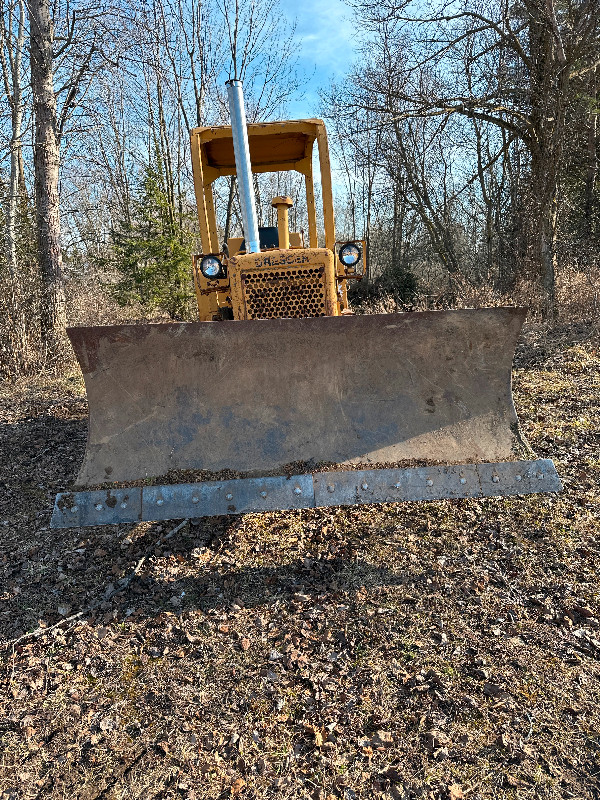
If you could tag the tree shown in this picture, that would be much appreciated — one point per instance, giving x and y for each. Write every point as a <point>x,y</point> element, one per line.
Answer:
<point>12,48</point>
<point>67,48</point>
<point>509,67</point>
<point>152,252</point>
<point>46,160</point>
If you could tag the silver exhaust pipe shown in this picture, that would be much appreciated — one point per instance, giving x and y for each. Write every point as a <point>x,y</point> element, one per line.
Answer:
<point>243,165</point>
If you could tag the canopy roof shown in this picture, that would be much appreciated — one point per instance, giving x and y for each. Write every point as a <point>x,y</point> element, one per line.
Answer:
<point>274,147</point>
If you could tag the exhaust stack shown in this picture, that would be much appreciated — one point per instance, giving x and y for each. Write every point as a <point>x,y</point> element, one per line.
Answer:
<point>243,166</point>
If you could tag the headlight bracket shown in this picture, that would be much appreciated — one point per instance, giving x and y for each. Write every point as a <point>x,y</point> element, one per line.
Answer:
<point>355,270</point>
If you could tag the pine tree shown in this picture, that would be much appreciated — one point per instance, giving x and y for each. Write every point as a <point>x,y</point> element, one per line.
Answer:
<point>152,252</point>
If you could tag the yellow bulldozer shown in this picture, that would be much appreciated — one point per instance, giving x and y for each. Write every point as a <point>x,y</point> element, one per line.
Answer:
<point>280,275</point>
<point>279,397</point>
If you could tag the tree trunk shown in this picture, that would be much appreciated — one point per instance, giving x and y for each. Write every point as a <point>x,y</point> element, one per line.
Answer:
<point>592,163</point>
<point>46,161</point>
<point>15,148</point>
<point>15,305</point>
<point>412,161</point>
<point>541,227</point>
<point>546,257</point>
<point>548,88</point>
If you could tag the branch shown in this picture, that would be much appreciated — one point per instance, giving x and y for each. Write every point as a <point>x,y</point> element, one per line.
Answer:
<point>68,38</point>
<point>466,108</point>
<point>585,70</point>
<point>510,37</point>
<point>64,114</point>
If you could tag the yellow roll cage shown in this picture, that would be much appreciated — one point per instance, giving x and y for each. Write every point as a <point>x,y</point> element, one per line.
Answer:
<point>274,147</point>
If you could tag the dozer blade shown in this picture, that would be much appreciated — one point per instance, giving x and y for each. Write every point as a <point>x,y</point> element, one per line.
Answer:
<point>260,396</point>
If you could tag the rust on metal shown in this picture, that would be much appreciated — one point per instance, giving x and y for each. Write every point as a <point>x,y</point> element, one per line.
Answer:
<point>256,395</point>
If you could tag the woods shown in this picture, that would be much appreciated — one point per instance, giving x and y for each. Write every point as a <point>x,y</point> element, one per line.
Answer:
<point>101,102</point>
<point>457,121</point>
<point>465,141</point>
<point>307,548</point>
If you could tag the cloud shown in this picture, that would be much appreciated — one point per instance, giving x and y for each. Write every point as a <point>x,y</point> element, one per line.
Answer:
<point>326,37</point>
<point>325,32</point>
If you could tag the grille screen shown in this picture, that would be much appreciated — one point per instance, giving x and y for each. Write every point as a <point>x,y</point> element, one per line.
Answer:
<point>293,292</point>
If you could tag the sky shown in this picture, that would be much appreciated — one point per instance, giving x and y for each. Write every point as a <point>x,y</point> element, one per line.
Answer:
<point>325,36</point>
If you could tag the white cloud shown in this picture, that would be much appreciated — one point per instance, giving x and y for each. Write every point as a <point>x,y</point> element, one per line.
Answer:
<point>326,38</point>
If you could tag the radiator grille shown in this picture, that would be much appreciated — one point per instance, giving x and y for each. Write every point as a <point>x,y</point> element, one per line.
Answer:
<point>293,292</point>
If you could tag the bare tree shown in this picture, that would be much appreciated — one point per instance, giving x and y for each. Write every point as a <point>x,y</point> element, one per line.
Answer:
<point>46,159</point>
<point>63,50</point>
<point>505,66</point>
<point>12,48</point>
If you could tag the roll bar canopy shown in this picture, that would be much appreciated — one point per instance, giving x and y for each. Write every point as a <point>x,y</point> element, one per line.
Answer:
<point>274,147</point>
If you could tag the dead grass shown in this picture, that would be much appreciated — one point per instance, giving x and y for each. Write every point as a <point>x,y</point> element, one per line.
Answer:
<point>438,650</point>
<point>88,302</point>
<point>577,295</point>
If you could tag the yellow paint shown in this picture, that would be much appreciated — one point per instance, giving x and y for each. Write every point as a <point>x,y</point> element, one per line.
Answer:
<point>212,220</point>
<point>283,205</point>
<point>210,295</point>
<point>314,268</point>
<point>200,196</point>
<point>311,209</point>
<point>326,188</point>
<point>358,271</point>
<point>234,244</point>
<point>291,280</point>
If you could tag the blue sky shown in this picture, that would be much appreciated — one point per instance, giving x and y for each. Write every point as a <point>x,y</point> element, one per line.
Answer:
<point>325,36</point>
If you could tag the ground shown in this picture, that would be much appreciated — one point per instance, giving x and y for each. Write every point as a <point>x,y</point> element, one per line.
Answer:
<point>435,650</point>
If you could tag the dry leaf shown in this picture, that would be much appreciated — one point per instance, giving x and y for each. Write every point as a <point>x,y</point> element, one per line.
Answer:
<point>393,775</point>
<point>382,739</point>
<point>492,690</point>
<point>316,732</point>
<point>245,644</point>
<point>436,739</point>
<point>238,786</point>
<point>455,792</point>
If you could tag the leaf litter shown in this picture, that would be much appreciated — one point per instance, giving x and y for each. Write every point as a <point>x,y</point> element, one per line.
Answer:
<point>440,650</point>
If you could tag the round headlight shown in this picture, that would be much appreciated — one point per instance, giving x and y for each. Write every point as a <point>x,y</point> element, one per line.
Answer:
<point>211,267</point>
<point>349,254</point>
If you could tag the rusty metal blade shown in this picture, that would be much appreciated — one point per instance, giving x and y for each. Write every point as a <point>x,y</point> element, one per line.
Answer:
<point>262,394</point>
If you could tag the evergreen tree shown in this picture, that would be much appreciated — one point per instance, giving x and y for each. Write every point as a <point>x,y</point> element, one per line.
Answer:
<point>152,252</point>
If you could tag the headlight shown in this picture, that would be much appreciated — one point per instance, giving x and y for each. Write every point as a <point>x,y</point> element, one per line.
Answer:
<point>211,267</point>
<point>349,254</point>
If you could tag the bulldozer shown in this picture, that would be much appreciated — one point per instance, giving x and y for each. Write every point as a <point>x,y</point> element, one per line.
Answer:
<point>279,397</point>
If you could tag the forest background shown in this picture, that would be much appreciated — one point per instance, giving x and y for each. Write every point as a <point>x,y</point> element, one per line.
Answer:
<point>464,135</point>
